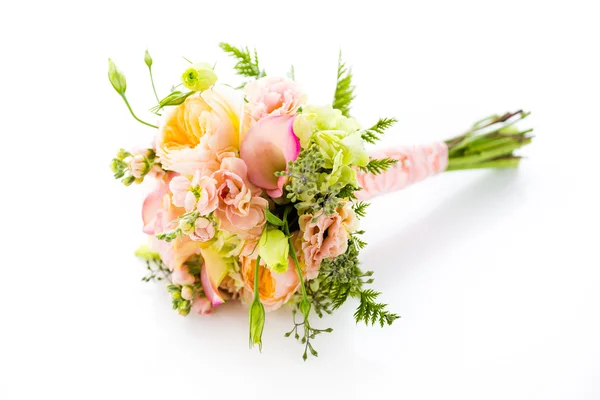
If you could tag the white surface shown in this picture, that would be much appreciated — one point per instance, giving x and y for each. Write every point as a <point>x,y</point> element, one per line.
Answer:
<point>495,274</point>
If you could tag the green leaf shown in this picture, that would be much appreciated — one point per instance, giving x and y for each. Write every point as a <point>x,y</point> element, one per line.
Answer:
<point>344,89</point>
<point>272,218</point>
<point>370,312</point>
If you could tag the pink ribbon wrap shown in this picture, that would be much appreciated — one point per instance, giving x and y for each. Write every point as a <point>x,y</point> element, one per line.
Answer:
<point>415,164</point>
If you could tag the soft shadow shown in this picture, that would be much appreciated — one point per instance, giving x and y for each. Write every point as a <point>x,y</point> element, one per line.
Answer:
<point>474,208</point>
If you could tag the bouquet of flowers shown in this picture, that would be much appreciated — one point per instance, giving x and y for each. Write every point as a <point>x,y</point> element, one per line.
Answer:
<point>259,194</point>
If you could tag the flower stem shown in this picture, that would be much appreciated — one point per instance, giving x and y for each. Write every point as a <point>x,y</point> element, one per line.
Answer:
<point>134,116</point>
<point>256,286</point>
<point>153,88</point>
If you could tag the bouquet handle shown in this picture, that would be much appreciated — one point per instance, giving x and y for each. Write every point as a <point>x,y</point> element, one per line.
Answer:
<point>415,163</point>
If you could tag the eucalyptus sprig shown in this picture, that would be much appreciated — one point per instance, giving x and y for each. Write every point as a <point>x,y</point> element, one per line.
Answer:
<point>119,83</point>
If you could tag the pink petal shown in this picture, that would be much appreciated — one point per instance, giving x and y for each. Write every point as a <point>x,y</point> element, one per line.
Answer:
<point>267,148</point>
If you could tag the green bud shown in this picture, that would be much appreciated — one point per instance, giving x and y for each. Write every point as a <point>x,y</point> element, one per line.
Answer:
<point>274,249</point>
<point>184,308</point>
<point>257,323</point>
<point>148,59</point>
<point>128,181</point>
<point>199,77</point>
<point>116,78</point>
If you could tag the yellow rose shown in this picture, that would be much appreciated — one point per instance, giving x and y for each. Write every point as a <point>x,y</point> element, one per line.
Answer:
<point>190,135</point>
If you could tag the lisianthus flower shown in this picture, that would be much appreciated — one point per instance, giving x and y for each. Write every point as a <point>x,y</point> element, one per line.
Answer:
<point>274,289</point>
<point>267,148</point>
<point>273,248</point>
<point>327,237</point>
<point>273,95</point>
<point>191,134</point>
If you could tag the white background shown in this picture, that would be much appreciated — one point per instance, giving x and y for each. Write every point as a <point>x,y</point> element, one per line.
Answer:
<point>495,273</point>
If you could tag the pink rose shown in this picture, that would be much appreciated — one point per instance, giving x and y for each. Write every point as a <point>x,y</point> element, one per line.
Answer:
<point>325,238</point>
<point>267,148</point>
<point>204,230</point>
<point>273,95</point>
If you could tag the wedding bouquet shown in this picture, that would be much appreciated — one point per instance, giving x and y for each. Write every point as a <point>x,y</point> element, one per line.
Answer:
<point>259,194</point>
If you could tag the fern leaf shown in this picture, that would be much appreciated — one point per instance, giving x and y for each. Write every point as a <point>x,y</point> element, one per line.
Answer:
<point>374,133</point>
<point>344,89</point>
<point>379,165</point>
<point>247,61</point>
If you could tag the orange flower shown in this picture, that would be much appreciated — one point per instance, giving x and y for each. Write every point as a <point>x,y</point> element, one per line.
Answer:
<point>274,289</point>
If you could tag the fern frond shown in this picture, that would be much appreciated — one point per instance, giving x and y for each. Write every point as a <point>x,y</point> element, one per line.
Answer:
<point>247,61</point>
<point>379,165</point>
<point>344,89</point>
<point>369,311</point>
<point>374,133</point>
<point>360,208</point>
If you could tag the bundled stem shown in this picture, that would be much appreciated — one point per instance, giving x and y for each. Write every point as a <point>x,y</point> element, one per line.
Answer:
<point>490,143</point>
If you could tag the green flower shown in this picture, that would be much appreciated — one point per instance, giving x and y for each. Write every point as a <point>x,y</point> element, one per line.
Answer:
<point>199,77</point>
<point>339,149</point>
<point>322,118</point>
<point>274,249</point>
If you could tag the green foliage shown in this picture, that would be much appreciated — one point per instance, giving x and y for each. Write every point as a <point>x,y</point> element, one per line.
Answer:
<point>374,133</point>
<point>181,305</point>
<point>307,334</point>
<point>360,208</point>
<point>344,89</point>
<point>340,279</point>
<point>379,165</point>
<point>247,61</point>
<point>156,270</point>
<point>370,312</point>
<point>308,186</point>
<point>292,75</point>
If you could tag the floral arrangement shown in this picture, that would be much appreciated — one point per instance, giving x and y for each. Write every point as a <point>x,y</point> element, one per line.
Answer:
<point>259,193</point>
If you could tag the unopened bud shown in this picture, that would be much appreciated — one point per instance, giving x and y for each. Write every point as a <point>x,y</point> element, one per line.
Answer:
<point>187,292</point>
<point>116,78</point>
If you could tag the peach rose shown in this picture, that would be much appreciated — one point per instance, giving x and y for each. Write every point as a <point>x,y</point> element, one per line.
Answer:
<point>274,289</point>
<point>192,133</point>
<point>273,95</point>
<point>325,238</point>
